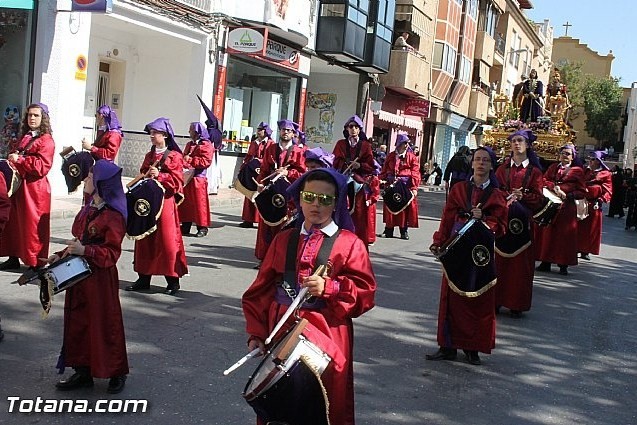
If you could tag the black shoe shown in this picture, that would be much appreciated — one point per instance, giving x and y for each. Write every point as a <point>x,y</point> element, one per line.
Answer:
<point>544,267</point>
<point>387,233</point>
<point>247,225</point>
<point>139,285</point>
<point>516,314</point>
<point>12,263</point>
<point>443,354</point>
<point>172,289</point>
<point>404,235</point>
<point>258,266</point>
<point>563,270</point>
<point>77,380</point>
<point>116,384</point>
<point>472,357</point>
<point>202,232</point>
<point>585,257</point>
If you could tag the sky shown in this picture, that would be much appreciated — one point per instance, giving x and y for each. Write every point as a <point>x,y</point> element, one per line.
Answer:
<point>602,25</point>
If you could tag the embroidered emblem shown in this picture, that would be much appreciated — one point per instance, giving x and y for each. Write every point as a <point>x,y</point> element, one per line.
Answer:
<point>278,201</point>
<point>516,226</point>
<point>480,255</point>
<point>397,197</point>
<point>142,207</point>
<point>74,170</point>
<point>92,230</point>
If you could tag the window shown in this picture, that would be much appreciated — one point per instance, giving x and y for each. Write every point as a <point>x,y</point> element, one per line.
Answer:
<point>357,12</point>
<point>465,70</point>
<point>438,51</point>
<point>333,10</point>
<point>472,8</point>
<point>445,57</point>
<point>488,18</point>
<point>385,20</point>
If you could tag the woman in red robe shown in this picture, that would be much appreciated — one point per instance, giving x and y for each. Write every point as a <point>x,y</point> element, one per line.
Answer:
<point>196,205</point>
<point>599,190</point>
<point>402,164</point>
<point>27,232</point>
<point>557,242</point>
<point>468,322</point>
<point>162,252</point>
<point>257,148</point>
<point>521,178</point>
<point>287,159</point>
<point>94,342</point>
<point>109,135</point>
<point>354,153</point>
<point>345,291</point>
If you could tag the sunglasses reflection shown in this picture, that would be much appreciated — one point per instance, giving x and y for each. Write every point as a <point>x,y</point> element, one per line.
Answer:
<point>323,199</point>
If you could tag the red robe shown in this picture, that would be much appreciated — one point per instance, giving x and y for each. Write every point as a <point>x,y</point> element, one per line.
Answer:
<point>256,150</point>
<point>296,162</point>
<point>27,232</point>
<point>106,145</point>
<point>196,205</point>
<point>374,195</point>
<point>162,252</point>
<point>514,289</point>
<point>5,204</point>
<point>557,243</point>
<point>349,292</point>
<point>365,157</point>
<point>93,325</point>
<point>409,166</point>
<point>463,322</point>
<point>599,189</point>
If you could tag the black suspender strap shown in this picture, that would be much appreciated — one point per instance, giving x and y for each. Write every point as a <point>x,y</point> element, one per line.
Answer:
<point>290,273</point>
<point>483,199</point>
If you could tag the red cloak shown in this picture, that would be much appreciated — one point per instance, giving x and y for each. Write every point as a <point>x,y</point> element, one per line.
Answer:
<point>196,205</point>
<point>106,145</point>
<point>599,189</point>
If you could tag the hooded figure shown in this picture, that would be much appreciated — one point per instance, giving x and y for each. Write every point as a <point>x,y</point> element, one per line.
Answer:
<point>109,135</point>
<point>320,156</point>
<point>163,125</point>
<point>110,118</point>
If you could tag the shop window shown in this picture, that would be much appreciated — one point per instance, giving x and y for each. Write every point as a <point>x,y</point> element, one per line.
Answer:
<point>255,93</point>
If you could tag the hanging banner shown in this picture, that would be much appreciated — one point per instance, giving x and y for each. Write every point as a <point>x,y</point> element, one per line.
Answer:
<point>100,6</point>
<point>418,108</point>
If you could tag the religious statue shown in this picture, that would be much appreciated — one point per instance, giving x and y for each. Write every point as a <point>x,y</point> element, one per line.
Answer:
<point>557,102</point>
<point>532,93</point>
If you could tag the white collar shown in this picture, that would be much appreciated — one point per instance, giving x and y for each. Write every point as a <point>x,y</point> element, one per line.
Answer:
<point>157,150</point>
<point>524,164</point>
<point>98,206</point>
<point>290,143</point>
<point>328,230</point>
<point>353,141</point>
<point>483,185</point>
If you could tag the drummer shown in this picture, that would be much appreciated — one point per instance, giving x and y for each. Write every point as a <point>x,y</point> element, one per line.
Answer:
<point>162,252</point>
<point>346,291</point>
<point>94,343</point>
<point>249,214</point>
<point>286,159</point>
<point>468,323</point>
<point>557,242</point>
<point>401,164</point>
<point>521,178</point>
<point>27,232</point>
<point>599,190</point>
<point>195,208</point>
<point>109,135</point>
<point>354,156</point>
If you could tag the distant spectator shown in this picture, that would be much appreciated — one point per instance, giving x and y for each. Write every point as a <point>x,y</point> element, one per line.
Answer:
<point>436,174</point>
<point>459,167</point>
<point>401,42</point>
<point>380,154</point>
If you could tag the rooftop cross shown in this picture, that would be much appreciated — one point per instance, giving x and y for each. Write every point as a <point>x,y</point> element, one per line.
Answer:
<point>567,25</point>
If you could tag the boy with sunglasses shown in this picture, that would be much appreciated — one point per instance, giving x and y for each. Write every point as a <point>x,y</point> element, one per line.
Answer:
<point>345,291</point>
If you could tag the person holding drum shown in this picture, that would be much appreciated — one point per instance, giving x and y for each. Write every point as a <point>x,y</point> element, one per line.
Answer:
<point>557,242</point>
<point>94,342</point>
<point>249,214</point>
<point>354,157</point>
<point>283,159</point>
<point>343,291</point>
<point>162,252</point>
<point>195,208</point>
<point>599,190</point>
<point>27,232</point>
<point>466,317</point>
<point>520,176</point>
<point>109,135</point>
<point>401,168</point>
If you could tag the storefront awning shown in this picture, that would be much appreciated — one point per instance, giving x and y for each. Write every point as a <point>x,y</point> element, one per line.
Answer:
<point>412,123</point>
<point>392,118</point>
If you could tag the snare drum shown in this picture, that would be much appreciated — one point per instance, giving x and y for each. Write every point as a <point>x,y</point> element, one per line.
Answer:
<point>552,204</point>
<point>145,201</point>
<point>11,176</point>
<point>397,196</point>
<point>286,385</point>
<point>272,203</point>
<point>75,168</point>
<point>60,276</point>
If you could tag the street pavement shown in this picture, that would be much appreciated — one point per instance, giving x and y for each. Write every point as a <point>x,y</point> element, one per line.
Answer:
<point>570,360</point>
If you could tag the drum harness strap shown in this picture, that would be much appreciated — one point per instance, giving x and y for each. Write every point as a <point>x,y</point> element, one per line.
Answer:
<point>161,162</point>
<point>348,150</point>
<point>483,199</point>
<point>290,275</point>
<point>28,146</point>
<point>525,180</point>
<point>287,155</point>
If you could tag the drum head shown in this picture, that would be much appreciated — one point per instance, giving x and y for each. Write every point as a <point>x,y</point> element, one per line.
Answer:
<point>552,196</point>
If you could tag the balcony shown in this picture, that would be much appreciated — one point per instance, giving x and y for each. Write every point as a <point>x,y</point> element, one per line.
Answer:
<point>485,47</point>
<point>408,73</point>
<point>478,104</point>
<point>500,49</point>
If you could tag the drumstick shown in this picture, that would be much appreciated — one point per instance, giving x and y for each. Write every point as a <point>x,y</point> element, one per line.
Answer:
<point>300,298</point>
<point>241,361</point>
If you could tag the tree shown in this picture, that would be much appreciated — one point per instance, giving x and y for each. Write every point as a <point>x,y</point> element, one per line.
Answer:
<point>574,79</point>
<point>602,105</point>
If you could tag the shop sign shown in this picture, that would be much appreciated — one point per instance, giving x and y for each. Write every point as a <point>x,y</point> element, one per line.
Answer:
<point>17,4</point>
<point>417,107</point>
<point>281,55</point>
<point>92,6</point>
<point>247,40</point>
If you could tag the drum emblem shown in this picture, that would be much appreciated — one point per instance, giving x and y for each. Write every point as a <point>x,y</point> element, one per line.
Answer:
<point>480,255</point>
<point>142,207</point>
<point>74,170</point>
<point>278,201</point>
<point>397,197</point>
<point>516,226</point>
<point>257,170</point>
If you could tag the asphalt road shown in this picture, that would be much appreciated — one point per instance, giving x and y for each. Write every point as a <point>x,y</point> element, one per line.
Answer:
<point>570,360</point>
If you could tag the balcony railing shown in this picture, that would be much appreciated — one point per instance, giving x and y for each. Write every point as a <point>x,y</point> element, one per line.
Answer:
<point>500,44</point>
